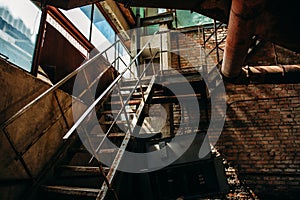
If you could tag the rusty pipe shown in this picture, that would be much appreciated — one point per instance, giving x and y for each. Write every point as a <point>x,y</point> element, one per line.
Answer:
<point>241,29</point>
<point>268,74</point>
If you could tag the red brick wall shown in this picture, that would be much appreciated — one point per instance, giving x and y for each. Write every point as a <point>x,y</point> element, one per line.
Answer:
<point>191,46</point>
<point>267,53</point>
<point>261,137</point>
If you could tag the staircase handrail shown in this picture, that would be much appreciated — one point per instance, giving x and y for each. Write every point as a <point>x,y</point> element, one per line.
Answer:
<point>56,86</point>
<point>109,88</point>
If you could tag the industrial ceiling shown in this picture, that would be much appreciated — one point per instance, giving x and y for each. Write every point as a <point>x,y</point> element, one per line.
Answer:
<point>271,20</point>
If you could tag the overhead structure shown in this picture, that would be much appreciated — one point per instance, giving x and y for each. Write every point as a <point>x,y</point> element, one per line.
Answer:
<point>270,20</point>
<point>244,16</point>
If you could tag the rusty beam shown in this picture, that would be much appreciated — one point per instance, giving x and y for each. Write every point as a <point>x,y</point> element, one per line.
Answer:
<point>129,15</point>
<point>67,4</point>
<point>163,18</point>
<point>276,24</point>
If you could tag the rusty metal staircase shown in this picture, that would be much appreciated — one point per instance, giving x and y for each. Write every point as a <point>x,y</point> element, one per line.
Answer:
<point>119,111</point>
<point>120,114</point>
<point>82,175</point>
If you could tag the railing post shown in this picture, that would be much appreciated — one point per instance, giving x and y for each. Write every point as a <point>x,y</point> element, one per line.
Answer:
<point>161,55</point>
<point>19,156</point>
<point>124,109</point>
<point>138,39</point>
<point>216,41</point>
<point>61,110</point>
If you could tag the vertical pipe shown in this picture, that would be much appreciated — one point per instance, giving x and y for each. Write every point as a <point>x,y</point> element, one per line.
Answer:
<point>242,19</point>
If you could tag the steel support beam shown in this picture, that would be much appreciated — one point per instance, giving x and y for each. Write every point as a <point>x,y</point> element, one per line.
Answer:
<point>163,18</point>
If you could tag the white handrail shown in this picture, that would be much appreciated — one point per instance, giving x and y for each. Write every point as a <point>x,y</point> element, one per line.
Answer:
<point>107,90</point>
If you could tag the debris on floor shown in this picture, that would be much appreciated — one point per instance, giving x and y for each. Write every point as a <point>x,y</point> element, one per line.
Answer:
<point>238,190</point>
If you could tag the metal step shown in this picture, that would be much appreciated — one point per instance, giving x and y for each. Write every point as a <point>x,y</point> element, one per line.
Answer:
<point>110,122</point>
<point>84,150</point>
<point>136,101</point>
<point>110,135</point>
<point>174,99</point>
<point>71,170</point>
<point>117,96</point>
<point>82,156</point>
<point>145,80</point>
<point>105,112</point>
<point>74,191</point>
<point>131,87</point>
<point>120,151</point>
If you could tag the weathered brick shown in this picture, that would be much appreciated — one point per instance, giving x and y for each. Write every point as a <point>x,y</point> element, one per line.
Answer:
<point>260,119</point>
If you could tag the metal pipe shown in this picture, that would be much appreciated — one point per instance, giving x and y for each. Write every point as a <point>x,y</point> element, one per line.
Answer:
<point>282,69</point>
<point>241,28</point>
<point>268,74</point>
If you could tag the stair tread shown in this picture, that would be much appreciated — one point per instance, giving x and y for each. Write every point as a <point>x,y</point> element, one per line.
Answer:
<point>128,87</point>
<point>79,191</point>
<point>132,82</point>
<point>84,150</point>
<point>111,135</point>
<point>114,112</point>
<point>108,150</point>
<point>130,102</point>
<point>110,122</point>
<point>116,95</point>
<point>76,168</point>
<point>116,135</point>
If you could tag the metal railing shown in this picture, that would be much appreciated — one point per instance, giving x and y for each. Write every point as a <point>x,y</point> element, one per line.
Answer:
<point>131,120</point>
<point>53,90</point>
<point>113,86</point>
<point>57,85</point>
<point>116,62</point>
<point>217,41</point>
